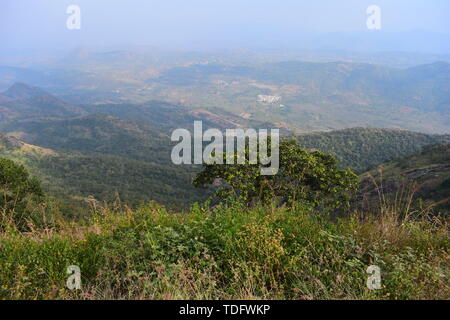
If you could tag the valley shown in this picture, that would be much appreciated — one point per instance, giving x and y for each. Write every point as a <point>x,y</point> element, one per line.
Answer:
<point>110,151</point>
<point>311,96</point>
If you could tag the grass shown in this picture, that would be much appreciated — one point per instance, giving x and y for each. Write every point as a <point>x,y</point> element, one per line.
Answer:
<point>229,252</point>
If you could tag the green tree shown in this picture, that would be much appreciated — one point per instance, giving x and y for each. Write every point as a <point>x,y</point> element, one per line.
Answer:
<point>303,176</point>
<point>16,189</point>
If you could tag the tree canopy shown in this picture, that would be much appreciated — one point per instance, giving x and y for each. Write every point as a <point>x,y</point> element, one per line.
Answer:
<point>303,176</point>
<point>16,187</point>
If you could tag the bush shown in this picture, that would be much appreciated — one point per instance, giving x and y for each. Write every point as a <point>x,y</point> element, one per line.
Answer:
<point>17,191</point>
<point>303,176</point>
<point>229,252</point>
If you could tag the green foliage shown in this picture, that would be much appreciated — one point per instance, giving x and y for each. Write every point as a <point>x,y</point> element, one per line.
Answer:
<point>107,177</point>
<point>427,173</point>
<point>103,156</point>
<point>97,133</point>
<point>103,168</point>
<point>231,252</point>
<point>361,149</point>
<point>303,176</point>
<point>73,176</point>
<point>17,188</point>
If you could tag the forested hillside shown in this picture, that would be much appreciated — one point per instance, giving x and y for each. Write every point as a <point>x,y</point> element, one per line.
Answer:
<point>319,96</point>
<point>363,148</point>
<point>77,163</point>
<point>72,176</point>
<point>107,151</point>
<point>426,174</point>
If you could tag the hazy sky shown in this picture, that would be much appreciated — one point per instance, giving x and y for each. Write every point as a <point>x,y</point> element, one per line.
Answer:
<point>28,24</point>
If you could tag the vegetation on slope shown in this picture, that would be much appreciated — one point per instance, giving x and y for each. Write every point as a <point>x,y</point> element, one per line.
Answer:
<point>362,149</point>
<point>96,133</point>
<point>26,100</point>
<point>231,252</point>
<point>300,176</point>
<point>427,174</point>
<point>317,96</point>
<point>102,156</point>
<point>73,177</point>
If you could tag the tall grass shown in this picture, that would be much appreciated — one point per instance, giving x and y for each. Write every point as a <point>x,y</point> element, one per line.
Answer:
<point>229,252</point>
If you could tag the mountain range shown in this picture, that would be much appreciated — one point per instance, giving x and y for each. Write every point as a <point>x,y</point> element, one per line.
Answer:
<point>312,96</point>
<point>99,123</point>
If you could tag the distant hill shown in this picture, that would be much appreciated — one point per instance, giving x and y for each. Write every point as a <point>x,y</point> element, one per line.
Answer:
<point>313,96</point>
<point>21,90</point>
<point>320,96</point>
<point>10,74</point>
<point>364,148</point>
<point>101,155</point>
<point>425,87</point>
<point>73,176</point>
<point>359,148</point>
<point>101,149</point>
<point>167,116</point>
<point>428,170</point>
<point>26,101</point>
<point>144,134</point>
<point>95,133</point>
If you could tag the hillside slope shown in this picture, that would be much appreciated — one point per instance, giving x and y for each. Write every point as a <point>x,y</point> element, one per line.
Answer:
<point>319,96</point>
<point>427,173</point>
<point>98,133</point>
<point>364,148</point>
<point>27,101</point>
<point>73,176</point>
<point>78,159</point>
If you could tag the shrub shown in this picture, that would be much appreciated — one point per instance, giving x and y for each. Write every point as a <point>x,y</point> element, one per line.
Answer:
<point>302,177</point>
<point>17,190</point>
<point>229,252</point>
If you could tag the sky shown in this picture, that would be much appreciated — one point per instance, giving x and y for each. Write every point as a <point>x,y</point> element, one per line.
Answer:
<point>41,24</point>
